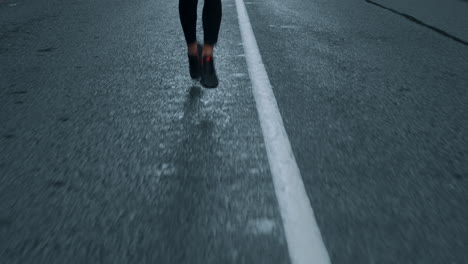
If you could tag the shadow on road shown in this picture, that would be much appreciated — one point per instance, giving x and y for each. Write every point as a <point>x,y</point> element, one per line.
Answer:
<point>191,214</point>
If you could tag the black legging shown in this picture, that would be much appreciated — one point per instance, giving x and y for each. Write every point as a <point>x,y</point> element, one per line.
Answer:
<point>211,20</point>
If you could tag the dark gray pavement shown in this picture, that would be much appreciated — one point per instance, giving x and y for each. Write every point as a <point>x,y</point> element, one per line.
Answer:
<point>376,110</point>
<point>109,153</point>
<point>449,16</point>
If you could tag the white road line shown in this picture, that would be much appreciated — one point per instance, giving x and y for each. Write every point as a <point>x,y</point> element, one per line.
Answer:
<point>302,233</point>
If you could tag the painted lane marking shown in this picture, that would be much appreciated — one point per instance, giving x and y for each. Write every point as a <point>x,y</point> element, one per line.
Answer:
<point>303,236</point>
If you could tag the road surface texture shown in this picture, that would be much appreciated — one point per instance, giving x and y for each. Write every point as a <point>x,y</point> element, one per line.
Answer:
<point>109,153</point>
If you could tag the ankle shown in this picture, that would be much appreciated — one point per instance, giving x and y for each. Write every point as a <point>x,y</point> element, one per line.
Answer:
<point>207,50</point>
<point>193,49</point>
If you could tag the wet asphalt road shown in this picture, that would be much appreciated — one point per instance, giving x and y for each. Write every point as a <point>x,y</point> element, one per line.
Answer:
<point>111,154</point>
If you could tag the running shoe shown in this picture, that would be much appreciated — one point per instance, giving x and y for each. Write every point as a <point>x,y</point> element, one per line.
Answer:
<point>208,73</point>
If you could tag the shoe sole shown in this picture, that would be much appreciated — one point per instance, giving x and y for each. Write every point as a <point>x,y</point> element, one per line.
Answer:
<point>209,86</point>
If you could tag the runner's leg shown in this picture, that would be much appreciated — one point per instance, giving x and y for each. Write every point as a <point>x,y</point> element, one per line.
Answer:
<point>211,23</point>
<point>212,13</point>
<point>188,19</point>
